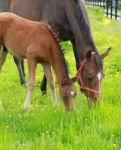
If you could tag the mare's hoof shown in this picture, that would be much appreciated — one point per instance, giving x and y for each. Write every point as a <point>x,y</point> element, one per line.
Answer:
<point>23,82</point>
<point>43,93</point>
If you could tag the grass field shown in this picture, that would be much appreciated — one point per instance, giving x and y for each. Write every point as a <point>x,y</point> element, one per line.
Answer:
<point>48,128</point>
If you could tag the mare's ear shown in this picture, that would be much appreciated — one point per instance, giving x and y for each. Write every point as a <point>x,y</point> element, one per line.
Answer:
<point>105,54</point>
<point>74,79</point>
<point>89,54</point>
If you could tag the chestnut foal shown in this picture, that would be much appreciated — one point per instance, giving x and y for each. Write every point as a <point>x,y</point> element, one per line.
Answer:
<point>36,42</point>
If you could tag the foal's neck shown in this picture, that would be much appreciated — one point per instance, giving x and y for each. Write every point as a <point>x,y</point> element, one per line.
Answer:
<point>59,66</point>
<point>57,58</point>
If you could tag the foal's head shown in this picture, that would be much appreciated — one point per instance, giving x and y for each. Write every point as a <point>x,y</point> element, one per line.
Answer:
<point>90,75</point>
<point>68,93</point>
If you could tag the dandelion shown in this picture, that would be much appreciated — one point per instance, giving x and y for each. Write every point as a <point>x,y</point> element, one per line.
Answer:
<point>106,21</point>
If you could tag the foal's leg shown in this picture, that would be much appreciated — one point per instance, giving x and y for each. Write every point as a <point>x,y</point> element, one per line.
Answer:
<point>48,74</point>
<point>32,68</point>
<point>43,86</point>
<point>3,55</point>
<point>19,64</point>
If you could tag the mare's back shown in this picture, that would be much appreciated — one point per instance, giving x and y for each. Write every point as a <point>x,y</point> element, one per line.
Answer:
<point>49,11</point>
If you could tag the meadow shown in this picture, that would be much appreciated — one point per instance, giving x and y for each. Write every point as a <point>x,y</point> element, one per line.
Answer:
<point>48,128</point>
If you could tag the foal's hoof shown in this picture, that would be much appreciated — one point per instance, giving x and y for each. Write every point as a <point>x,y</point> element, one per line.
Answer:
<point>25,109</point>
<point>1,107</point>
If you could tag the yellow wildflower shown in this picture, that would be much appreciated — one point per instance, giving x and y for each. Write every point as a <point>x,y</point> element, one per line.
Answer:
<point>106,21</point>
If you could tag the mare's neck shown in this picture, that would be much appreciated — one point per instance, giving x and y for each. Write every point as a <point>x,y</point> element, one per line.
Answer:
<point>80,25</point>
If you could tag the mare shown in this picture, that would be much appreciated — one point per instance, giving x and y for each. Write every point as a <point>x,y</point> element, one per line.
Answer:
<point>26,39</point>
<point>69,19</point>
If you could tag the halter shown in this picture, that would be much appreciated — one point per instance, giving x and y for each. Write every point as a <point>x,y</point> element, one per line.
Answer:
<point>79,78</point>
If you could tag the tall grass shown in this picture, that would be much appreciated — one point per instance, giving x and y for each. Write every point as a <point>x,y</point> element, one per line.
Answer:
<point>48,128</point>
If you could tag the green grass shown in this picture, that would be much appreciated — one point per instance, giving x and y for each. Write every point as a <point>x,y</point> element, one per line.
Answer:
<point>48,128</point>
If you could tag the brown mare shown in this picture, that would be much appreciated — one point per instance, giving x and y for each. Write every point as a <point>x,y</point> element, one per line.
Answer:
<point>37,43</point>
<point>69,19</point>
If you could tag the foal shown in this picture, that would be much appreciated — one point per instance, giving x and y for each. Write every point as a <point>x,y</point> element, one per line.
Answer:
<point>36,42</point>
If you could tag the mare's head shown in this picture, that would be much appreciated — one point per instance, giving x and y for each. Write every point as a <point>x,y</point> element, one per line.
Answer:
<point>90,75</point>
<point>68,93</point>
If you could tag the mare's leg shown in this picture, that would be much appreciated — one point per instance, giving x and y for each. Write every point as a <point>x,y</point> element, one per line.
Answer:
<point>48,74</point>
<point>3,55</point>
<point>19,64</point>
<point>22,66</point>
<point>43,86</point>
<point>32,68</point>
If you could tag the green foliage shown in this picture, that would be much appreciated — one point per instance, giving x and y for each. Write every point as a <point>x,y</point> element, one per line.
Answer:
<point>48,128</point>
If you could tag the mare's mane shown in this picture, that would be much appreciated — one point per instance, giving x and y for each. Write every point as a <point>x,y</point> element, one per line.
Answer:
<point>84,25</point>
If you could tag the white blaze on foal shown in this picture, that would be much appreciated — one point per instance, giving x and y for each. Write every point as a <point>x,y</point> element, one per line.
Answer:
<point>72,93</point>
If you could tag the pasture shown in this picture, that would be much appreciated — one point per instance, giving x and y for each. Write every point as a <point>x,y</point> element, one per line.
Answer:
<point>48,128</point>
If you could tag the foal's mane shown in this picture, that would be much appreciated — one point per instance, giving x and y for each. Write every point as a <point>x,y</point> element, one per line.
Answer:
<point>57,41</point>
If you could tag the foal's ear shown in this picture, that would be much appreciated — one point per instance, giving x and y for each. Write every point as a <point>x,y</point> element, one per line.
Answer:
<point>74,79</point>
<point>68,81</point>
<point>105,54</point>
<point>64,81</point>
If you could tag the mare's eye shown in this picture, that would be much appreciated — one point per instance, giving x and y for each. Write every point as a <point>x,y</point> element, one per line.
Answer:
<point>90,78</point>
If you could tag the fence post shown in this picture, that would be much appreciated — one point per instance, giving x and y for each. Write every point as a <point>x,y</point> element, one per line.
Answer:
<point>111,9</point>
<point>116,7</point>
<point>107,8</point>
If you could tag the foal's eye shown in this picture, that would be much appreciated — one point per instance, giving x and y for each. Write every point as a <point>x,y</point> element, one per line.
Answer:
<point>65,97</point>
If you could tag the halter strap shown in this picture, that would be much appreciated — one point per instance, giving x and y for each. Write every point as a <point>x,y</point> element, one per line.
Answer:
<point>79,78</point>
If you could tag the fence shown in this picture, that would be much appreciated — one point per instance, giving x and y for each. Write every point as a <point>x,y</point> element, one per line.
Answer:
<point>112,8</point>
